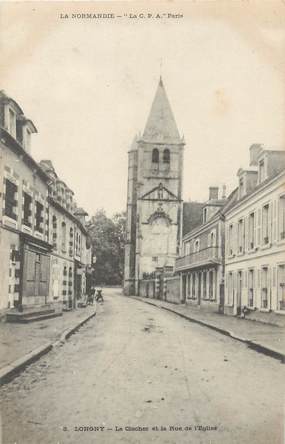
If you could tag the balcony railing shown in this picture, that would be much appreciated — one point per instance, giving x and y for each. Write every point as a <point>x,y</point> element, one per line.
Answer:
<point>210,255</point>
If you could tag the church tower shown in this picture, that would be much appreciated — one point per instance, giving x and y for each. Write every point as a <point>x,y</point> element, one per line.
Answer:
<point>154,200</point>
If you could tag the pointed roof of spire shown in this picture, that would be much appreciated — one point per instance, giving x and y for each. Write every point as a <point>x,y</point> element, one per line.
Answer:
<point>134,146</point>
<point>161,126</point>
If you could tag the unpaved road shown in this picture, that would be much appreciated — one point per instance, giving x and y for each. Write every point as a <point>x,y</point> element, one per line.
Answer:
<point>134,365</point>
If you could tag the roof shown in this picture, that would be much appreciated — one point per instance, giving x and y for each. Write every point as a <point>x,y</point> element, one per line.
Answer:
<point>161,126</point>
<point>47,165</point>
<point>134,146</point>
<point>6,99</point>
<point>80,212</point>
<point>192,216</point>
<point>215,202</point>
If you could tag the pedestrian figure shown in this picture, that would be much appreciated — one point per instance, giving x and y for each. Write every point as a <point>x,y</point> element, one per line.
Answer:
<point>91,296</point>
<point>99,297</point>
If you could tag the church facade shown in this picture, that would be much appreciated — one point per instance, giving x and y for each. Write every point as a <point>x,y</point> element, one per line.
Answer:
<point>154,198</point>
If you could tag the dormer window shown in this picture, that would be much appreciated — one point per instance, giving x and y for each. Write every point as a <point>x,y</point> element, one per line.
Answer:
<point>155,155</point>
<point>12,123</point>
<point>261,171</point>
<point>196,246</point>
<point>28,140</point>
<point>204,215</point>
<point>241,188</point>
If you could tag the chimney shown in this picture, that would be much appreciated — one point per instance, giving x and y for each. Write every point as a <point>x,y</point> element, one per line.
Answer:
<point>224,195</point>
<point>254,151</point>
<point>213,193</point>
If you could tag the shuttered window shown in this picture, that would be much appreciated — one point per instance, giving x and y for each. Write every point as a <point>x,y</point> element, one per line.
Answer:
<point>39,217</point>
<point>27,209</point>
<point>282,217</point>
<point>10,201</point>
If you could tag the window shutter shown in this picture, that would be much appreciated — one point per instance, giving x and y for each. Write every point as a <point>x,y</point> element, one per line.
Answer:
<point>270,210</point>
<point>235,238</point>
<point>258,227</point>
<point>274,222</point>
<point>245,232</point>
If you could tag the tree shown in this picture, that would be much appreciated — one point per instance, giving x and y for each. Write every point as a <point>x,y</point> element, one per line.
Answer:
<point>107,236</point>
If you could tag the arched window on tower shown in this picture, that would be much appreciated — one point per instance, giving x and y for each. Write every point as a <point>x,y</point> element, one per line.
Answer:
<point>166,156</point>
<point>155,155</point>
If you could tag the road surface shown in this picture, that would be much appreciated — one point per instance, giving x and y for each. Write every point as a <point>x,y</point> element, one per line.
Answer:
<point>138,374</point>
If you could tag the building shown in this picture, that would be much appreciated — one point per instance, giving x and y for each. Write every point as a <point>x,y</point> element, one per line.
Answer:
<point>24,237</point>
<point>201,262</point>
<point>255,238</point>
<point>154,200</point>
<point>45,252</point>
<point>71,250</point>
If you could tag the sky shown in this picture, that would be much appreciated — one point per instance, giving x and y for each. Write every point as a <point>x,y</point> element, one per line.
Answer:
<point>88,85</point>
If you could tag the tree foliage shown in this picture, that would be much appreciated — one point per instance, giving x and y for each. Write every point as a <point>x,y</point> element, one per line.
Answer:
<point>107,236</point>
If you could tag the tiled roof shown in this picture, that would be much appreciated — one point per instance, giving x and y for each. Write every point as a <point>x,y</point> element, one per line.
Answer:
<point>192,216</point>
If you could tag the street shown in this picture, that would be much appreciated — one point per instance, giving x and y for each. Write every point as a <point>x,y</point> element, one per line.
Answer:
<point>134,365</point>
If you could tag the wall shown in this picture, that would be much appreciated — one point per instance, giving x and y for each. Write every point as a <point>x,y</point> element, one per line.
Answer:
<point>270,255</point>
<point>172,289</point>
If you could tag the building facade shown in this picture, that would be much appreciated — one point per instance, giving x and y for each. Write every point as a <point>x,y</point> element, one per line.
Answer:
<point>200,264</point>
<point>45,252</point>
<point>154,200</point>
<point>24,237</point>
<point>255,238</point>
<point>71,250</point>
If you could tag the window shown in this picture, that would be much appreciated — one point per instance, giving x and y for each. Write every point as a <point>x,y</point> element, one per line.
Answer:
<point>211,281</point>
<point>194,285</point>
<point>71,242</point>
<point>281,287</point>
<point>213,239</point>
<point>282,217</point>
<point>204,285</point>
<point>261,171</point>
<point>27,213</point>
<point>204,215</point>
<point>39,217</point>
<point>70,281</point>
<point>54,232</point>
<point>251,231</point>
<point>187,248</point>
<point>155,155</point>
<point>166,156</point>
<point>230,289</point>
<point>241,236</point>
<point>28,140</point>
<point>231,232</point>
<point>10,199</point>
<point>251,288</point>
<point>264,287</point>
<point>241,188</point>
<point>155,259</point>
<point>63,238</point>
<point>265,224</point>
<point>196,246</point>
<point>64,281</point>
<point>12,122</point>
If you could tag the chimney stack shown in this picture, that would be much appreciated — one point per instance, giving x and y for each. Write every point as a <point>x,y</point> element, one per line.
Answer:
<point>254,151</point>
<point>213,193</point>
<point>224,195</point>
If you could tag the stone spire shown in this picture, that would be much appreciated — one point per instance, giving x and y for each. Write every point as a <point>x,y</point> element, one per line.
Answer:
<point>161,126</point>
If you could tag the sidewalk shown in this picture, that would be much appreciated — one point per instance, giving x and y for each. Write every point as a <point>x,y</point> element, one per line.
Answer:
<point>18,342</point>
<point>265,338</point>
